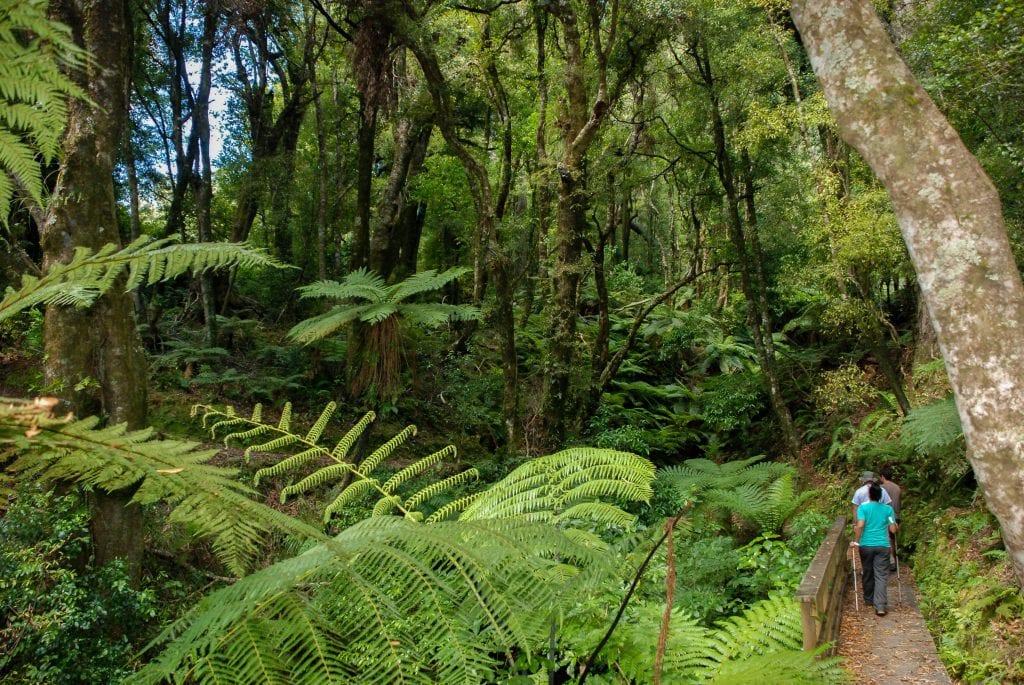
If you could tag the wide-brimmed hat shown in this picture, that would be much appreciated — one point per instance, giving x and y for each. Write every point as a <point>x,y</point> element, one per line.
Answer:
<point>867,476</point>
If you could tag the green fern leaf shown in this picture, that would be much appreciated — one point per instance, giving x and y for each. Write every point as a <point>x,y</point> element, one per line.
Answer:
<point>316,479</point>
<point>345,444</point>
<point>371,462</point>
<point>418,467</point>
<point>352,493</point>
<point>291,463</point>
<point>435,489</point>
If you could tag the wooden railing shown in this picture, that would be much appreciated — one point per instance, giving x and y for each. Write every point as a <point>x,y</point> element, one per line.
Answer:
<point>821,591</point>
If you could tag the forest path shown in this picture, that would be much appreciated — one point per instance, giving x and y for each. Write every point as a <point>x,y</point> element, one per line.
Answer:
<point>895,648</point>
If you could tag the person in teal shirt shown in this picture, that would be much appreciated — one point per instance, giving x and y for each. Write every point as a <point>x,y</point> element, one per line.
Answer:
<point>871,535</point>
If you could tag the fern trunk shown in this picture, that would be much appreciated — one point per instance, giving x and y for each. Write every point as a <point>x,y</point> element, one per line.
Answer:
<point>94,356</point>
<point>951,219</point>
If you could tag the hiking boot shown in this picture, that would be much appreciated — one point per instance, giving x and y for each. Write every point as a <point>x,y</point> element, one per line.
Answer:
<point>880,612</point>
<point>892,568</point>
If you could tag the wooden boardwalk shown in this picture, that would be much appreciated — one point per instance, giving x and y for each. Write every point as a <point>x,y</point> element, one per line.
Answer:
<point>895,648</point>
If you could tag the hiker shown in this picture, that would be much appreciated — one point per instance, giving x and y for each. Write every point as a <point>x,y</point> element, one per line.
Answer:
<point>861,494</point>
<point>895,492</point>
<point>875,521</point>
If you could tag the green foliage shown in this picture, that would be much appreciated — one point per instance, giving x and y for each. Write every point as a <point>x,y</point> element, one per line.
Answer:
<point>34,89</point>
<point>761,493</point>
<point>89,274</point>
<point>379,574</point>
<point>933,427</point>
<point>843,390</point>
<point>377,301</point>
<point>762,645</point>
<point>969,597</point>
<point>63,623</point>
<point>567,488</point>
<point>204,497</point>
<point>358,479</point>
<point>383,309</point>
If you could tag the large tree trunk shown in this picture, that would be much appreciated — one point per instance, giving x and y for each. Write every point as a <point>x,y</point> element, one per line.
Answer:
<point>951,219</point>
<point>94,355</point>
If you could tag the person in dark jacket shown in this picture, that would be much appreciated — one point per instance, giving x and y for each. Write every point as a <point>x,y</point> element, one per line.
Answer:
<point>895,494</point>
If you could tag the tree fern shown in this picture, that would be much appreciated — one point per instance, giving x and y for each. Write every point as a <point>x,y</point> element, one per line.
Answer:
<point>34,51</point>
<point>761,493</point>
<point>89,274</point>
<point>207,498</point>
<point>389,601</point>
<point>376,353</point>
<point>932,427</point>
<point>701,474</point>
<point>557,488</point>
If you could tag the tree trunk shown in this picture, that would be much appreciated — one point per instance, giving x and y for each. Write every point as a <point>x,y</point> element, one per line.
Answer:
<point>202,178</point>
<point>951,219</point>
<point>321,186</point>
<point>365,136</point>
<point>95,356</point>
<point>751,269</point>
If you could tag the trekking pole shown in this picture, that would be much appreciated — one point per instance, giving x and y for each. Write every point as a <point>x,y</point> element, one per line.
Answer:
<point>896,555</point>
<point>853,562</point>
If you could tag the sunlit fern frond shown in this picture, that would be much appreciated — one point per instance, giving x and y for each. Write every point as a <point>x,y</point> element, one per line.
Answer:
<point>35,54</point>
<point>207,498</point>
<point>361,284</point>
<point>374,459</point>
<point>89,274</point>
<point>388,601</point>
<point>695,475</point>
<point>547,488</point>
<point>326,324</point>
<point>360,476</point>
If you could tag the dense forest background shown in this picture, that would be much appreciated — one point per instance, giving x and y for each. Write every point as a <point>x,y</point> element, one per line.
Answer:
<point>566,310</point>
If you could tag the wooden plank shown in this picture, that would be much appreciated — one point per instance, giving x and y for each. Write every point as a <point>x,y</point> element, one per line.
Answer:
<point>821,589</point>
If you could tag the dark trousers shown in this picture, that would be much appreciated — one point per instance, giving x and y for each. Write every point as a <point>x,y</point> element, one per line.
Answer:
<point>875,564</point>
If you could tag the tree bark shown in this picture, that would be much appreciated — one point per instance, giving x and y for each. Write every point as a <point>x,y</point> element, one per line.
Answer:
<point>94,356</point>
<point>951,219</point>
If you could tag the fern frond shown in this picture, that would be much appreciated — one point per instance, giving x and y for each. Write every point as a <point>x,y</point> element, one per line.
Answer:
<point>208,498</point>
<point>422,282</point>
<point>316,479</point>
<point>323,325</point>
<point>351,494</point>
<point>340,451</point>
<point>418,467</point>
<point>452,508</point>
<point>277,443</point>
<point>291,463</point>
<point>543,489</point>
<point>382,608</point>
<point>90,274</point>
<point>317,429</point>
<point>359,284</point>
<point>441,486</point>
<point>371,462</point>
<point>36,54</point>
<point>932,427</point>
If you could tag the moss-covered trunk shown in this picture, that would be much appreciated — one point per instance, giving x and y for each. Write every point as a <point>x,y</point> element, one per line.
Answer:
<point>94,356</point>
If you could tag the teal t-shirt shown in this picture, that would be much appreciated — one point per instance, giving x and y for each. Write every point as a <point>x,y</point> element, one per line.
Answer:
<point>876,517</point>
